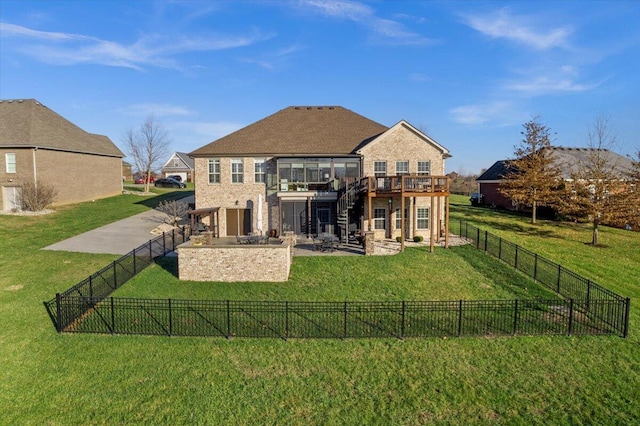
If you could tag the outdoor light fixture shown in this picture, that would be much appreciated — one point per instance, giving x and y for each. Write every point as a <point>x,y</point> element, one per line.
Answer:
<point>237,202</point>
<point>390,200</point>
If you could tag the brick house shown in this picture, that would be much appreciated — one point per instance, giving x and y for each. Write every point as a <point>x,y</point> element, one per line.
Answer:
<point>36,144</point>
<point>323,169</point>
<point>179,164</point>
<point>566,158</point>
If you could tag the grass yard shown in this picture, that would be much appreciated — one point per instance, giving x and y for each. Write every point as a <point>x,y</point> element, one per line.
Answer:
<point>54,379</point>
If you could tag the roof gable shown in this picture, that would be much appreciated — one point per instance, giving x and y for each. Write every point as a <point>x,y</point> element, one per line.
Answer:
<point>402,124</point>
<point>187,162</point>
<point>28,123</point>
<point>297,130</point>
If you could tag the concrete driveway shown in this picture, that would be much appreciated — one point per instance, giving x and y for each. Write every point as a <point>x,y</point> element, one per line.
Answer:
<point>116,238</point>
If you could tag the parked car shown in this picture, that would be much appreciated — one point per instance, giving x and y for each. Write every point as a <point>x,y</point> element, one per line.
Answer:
<point>176,177</point>
<point>141,180</point>
<point>477,199</point>
<point>169,183</point>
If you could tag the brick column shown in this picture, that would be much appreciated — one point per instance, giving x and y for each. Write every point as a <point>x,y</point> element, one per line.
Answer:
<point>369,247</point>
<point>289,237</point>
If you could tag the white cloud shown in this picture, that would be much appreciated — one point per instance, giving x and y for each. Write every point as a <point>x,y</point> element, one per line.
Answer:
<point>158,110</point>
<point>546,85</point>
<point>501,24</point>
<point>386,30</point>
<point>479,114</point>
<point>207,131</point>
<point>151,50</point>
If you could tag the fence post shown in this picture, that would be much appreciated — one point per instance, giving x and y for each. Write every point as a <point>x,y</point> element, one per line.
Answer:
<point>150,250</point>
<point>625,331</point>
<point>345,321</point>
<point>460,317</point>
<point>173,239</point>
<point>570,325</point>
<point>164,244</point>
<point>402,323</point>
<point>113,317</point>
<point>516,259</point>
<point>515,318</point>
<point>486,235</point>
<point>559,272</point>
<point>135,271</point>
<point>228,319</point>
<point>91,287</point>
<point>589,294</point>
<point>170,319</point>
<point>535,267</point>
<point>286,319</point>
<point>500,248</point>
<point>115,277</point>
<point>477,238</point>
<point>59,313</point>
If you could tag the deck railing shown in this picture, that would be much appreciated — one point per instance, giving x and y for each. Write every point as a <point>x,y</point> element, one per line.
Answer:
<point>407,183</point>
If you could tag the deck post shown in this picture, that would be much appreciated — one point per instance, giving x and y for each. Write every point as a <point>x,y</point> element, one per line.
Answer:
<point>402,222</point>
<point>431,219</point>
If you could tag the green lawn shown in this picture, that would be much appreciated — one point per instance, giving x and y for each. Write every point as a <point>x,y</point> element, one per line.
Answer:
<point>48,378</point>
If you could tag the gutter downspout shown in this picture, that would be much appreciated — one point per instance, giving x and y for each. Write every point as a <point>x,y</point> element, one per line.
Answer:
<point>35,168</point>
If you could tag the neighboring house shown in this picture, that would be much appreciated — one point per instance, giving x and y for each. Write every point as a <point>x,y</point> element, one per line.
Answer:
<point>323,169</point>
<point>127,171</point>
<point>566,158</point>
<point>179,164</point>
<point>36,144</point>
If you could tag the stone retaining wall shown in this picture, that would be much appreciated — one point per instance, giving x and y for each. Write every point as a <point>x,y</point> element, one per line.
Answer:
<point>233,263</point>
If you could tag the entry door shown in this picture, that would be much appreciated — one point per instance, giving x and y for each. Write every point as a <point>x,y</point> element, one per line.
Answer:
<point>11,198</point>
<point>238,222</point>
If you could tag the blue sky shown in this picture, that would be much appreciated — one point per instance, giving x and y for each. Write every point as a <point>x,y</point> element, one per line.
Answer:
<point>468,73</point>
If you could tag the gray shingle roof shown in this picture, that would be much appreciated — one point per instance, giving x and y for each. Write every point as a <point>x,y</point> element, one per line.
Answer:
<point>567,158</point>
<point>187,160</point>
<point>318,130</point>
<point>28,123</point>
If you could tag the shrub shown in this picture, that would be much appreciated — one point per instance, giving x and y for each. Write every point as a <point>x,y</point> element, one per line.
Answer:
<point>37,196</point>
<point>399,239</point>
<point>418,239</point>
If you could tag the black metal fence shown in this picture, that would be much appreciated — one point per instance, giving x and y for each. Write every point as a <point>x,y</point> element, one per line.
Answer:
<point>64,309</point>
<point>402,319</point>
<point>593,300</point>
<point>586,308</point>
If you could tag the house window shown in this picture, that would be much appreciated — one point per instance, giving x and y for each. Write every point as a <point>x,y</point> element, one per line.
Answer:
<point>380,168</point>
<point>402,167</point>
<point>423,218</point>
<point>10,159</point>
<point>176,162</point>
<point>259,168</point>
<point>424,167</point>
<point>379,218</point>
<point>237,170</point>
<point>214,170</point>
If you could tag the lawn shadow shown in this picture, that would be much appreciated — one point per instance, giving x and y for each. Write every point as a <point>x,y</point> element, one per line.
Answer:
<point>503,275</point>
<point>153,202</point>
<point>482,215</point>
<point>169,264</point>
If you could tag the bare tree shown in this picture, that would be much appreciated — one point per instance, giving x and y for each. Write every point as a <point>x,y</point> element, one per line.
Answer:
<point>532,177</point>
<point>147,146</point>
<point>600,190</point>
<point>176,210</point>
